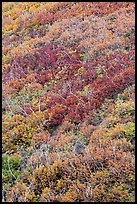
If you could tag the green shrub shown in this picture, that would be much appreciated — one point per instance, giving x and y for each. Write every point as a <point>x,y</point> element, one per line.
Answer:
<point>130,131</point>
<point>11,168</point>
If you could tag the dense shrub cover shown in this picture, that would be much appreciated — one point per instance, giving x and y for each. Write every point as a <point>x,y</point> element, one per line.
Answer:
<point>68,101</point>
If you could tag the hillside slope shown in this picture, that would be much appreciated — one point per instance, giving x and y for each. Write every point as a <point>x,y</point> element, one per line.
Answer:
<point>68,101</point>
